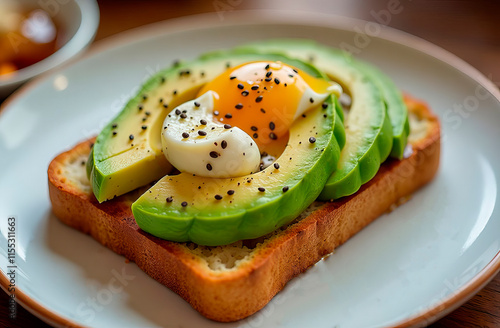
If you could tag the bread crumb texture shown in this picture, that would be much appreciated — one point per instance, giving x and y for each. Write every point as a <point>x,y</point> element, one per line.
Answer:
<point>220,259</point>
<point>76,173</point>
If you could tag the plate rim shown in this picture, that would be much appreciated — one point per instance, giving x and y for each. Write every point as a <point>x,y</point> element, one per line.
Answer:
<point>257,17</point>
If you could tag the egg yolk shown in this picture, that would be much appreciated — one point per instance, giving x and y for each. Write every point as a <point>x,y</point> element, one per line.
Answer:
<point>264,98</point>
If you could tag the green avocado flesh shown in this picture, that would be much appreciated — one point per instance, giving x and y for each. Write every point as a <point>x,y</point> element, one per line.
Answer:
<point>127,153</point>
<point>261,202</point>
<point>396,108</point>
<point>368,127</point>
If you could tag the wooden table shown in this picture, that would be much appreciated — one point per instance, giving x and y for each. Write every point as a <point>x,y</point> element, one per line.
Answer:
<point>468,29</point>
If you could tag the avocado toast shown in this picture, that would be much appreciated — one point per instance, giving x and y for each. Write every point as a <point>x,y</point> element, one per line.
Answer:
<point>232,281</point>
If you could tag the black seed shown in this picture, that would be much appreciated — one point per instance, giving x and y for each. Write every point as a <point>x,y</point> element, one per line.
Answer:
<point>175,92</point>
<point>227,126</point>
<point>216,112</point>
<point>304,115</point>
<point>244,93</point>
<point>261,166</point>
<point>162,80</point>
<point>184,204</point>
<point>147,113</point>
<point>218,197</point>
<point>131,137</point>
<point>272,126</point>
<point>258,99</point>
<point>140,107</point>
<point>232,77</point>
<point>273,136</point>
<point>263,110</point>
<point>144,127</point>
<point>214,154</point>
<point>197,104</point>
<point>268,79</point>
<point>209,167</point>
<point>114,126</point>
<point>114,133</point>
<point>311,100</point>
<point>253,128</point>
<point>312,140</point>
<point>261,189</point>
<point>325,116</point>
<point>296,71</point>
<point>183,115</point>
<point>228,64</point>
<point>255,135</point>
<point>276,166</point>
<point>228,115</point>
<point>276,80</point>
<point>290,75</point>
<point>160,100</point>
<point>285,188</point>
<point>165,105</point>
<point>230,192</point>
<point>177,112</point>
<point>185,135</point>
<point>268,74</point>
<point>203,122</point>
<point>254,87</point>
<point>144,97</point>
<point>169,199</point>
<point>324,105</point>
<point>267,66</point>
<point>202,133</point>
<point>240,86</point>
<point>144,119</point>
<point>223,144</point>
<point>238,106</point>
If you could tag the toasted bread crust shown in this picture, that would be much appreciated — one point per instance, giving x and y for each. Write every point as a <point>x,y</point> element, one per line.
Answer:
<point>235,294</point>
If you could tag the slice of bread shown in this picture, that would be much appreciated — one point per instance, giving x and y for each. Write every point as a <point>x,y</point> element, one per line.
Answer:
<point>228,283</point>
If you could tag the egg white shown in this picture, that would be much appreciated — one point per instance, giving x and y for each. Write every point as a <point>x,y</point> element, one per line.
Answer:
<point>221,153</point>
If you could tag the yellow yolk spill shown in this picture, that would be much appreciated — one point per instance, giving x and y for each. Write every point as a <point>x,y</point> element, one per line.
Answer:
<point>263,99</point>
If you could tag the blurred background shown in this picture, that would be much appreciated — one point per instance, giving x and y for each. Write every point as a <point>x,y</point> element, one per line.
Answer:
<point>469,29</point>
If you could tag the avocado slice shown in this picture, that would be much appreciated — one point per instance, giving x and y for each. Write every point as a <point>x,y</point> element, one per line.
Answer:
<point>210,211</point>
<point>396,107</point>
<point>127,153</point>
<point>368,127</point>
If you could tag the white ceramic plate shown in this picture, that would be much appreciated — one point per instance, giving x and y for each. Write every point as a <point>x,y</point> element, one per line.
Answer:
<point>407,268</point>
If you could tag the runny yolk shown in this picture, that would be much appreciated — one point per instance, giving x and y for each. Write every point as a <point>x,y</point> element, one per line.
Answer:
<point>264,98</point>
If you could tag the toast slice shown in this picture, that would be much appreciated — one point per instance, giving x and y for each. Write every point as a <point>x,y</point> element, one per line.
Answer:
<point>228,283</point>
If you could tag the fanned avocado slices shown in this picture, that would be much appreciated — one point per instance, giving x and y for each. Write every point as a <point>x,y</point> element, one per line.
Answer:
<point>321,159</point>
